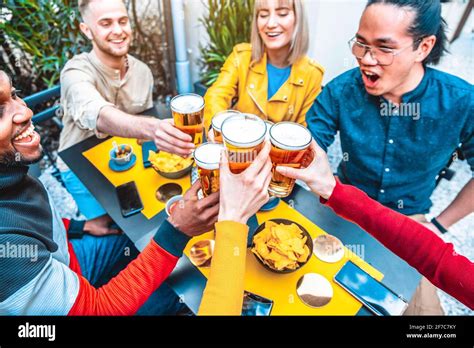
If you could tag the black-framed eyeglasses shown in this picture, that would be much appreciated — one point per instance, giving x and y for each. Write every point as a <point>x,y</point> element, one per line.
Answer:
<point>384,56</point>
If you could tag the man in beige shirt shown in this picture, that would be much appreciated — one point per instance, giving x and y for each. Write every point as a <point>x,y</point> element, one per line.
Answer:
<point>103,91</point>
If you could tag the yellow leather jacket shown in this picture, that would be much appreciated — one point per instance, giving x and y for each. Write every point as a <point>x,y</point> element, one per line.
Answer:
<point>224,290</point>
<point>247,82</point>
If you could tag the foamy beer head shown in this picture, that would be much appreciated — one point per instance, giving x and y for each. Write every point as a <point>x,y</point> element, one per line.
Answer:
<point>290,142</point>
<point>217,121</point>
<point>207,157</point>
<point>187,103</point>
<point>188,110</point>
<point>243,137</point>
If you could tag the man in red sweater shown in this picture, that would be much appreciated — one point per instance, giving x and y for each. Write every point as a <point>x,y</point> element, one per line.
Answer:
<point>39,271</point>
<point>420,247</point>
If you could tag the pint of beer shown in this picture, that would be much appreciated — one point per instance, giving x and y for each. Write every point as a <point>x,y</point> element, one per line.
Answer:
<point>243,137</point>
<point>207,157</point>
<point>217,121</point>
<point>188,111</point>
<point>290,142</point>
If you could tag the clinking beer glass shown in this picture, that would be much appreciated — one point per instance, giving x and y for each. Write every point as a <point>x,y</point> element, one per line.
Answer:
<point>243,136</point>
<point>207,157</point>
<point>188,112</point>
<point>290,142</point>
<point>217,121</point>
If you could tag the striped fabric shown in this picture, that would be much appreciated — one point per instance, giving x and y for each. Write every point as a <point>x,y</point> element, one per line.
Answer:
<point>52,292</point>
<point>42,283</point>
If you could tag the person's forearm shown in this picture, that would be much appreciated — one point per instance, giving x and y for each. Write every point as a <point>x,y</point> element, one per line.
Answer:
<point>225,287</point>
<point>462,206</point>
<point>418,246</point>
<point>115,122</point>
<point>129,290</point>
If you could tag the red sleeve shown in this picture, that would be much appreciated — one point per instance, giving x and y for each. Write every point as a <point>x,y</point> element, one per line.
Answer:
<point>410,240</point>
<point>66,223</point>
<point>129,290</point>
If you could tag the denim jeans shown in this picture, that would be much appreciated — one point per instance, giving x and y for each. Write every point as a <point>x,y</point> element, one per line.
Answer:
<point>102,258</point>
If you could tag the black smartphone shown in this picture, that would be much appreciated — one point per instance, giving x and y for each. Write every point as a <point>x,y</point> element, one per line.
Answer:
<point>255,305</point>
<point>129,199</point>
<point>377,297</point>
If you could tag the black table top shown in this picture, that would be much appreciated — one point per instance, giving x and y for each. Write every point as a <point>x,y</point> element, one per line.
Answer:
<point>189,282</point>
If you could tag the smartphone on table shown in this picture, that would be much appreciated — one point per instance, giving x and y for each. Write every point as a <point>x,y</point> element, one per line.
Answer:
<point>377,297</point>
<point>255,305</point>
<point>129,199</point>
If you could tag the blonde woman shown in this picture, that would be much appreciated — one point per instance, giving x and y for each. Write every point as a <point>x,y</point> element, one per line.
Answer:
<point>272,77</point>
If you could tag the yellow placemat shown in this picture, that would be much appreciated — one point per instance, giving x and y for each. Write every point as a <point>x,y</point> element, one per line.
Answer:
<point>281,288</point>
<point>147,179</point>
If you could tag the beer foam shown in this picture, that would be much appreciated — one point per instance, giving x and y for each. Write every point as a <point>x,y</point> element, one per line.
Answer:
<point>244,131</point>
<point>187,103</point>
<point>208,155</point>
<point>220,117</point>
<point>290,136</point>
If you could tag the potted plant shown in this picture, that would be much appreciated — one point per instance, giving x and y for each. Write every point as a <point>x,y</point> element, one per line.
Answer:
<point>227,23</point>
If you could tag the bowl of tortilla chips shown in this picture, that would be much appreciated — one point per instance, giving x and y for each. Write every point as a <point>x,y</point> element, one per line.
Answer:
<point>169,165</point>
<point>282,246</point>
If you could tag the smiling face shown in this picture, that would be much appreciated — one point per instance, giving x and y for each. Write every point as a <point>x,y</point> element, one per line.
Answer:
<point>19,143</point>
<point>386,26</point>
<point>106,23</point>
<point>276,25</point>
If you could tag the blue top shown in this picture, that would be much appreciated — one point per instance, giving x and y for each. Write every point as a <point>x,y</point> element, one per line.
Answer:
<point>276,78</point>
<point>395,153</point>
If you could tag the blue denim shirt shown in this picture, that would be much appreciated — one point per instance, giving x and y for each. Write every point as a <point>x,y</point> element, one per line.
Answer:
<point>395,155</point>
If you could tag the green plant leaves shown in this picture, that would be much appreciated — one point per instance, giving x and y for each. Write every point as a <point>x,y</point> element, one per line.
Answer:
<point>38,38</point>
<point>227,22</point>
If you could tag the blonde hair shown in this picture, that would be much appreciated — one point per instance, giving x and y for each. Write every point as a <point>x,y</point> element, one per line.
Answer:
<point>299,42</point>
<point>83,6</point>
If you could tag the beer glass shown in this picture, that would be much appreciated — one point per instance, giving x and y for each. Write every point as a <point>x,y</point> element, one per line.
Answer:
<point>243,137</point>
<point>207,157</point>
<point>290,142</point>
<point>188,112</point>
<point>217,121</point>
<point>269,125</point>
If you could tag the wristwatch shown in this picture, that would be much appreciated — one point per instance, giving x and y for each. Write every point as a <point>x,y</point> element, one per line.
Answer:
<point>76,229</point>
<point>438,225</point>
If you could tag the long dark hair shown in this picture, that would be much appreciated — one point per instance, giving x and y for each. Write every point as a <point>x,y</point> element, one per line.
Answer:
<point>427,22</point>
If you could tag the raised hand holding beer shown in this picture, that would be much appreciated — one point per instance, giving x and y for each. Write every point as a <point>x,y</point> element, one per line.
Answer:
<point>290,142</point>
<point>242,195</point>
<point>170,139</point>
<point>317,175</point>
<point>194,216</point>
<point>184,132</point>
<point>188,115</point>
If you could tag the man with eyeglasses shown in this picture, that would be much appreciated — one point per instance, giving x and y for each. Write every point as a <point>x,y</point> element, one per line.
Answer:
<point>400,121</point>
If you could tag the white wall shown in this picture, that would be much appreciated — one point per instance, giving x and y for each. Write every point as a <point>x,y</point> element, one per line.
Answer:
<point>332,23</point>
